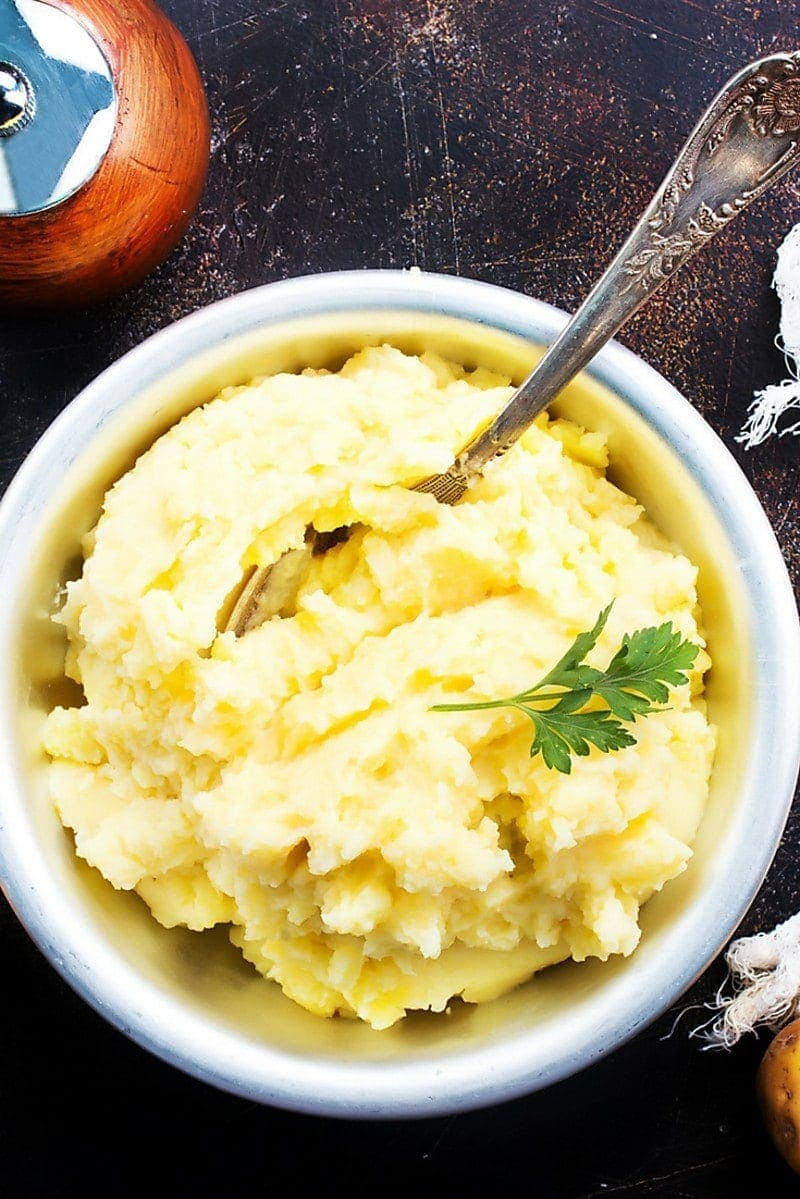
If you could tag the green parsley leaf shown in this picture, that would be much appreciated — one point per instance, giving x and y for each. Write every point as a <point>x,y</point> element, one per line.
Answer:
<point>569,671</point>
<point>636,679</point>
<point>639,673</point>
<point>559,734</point>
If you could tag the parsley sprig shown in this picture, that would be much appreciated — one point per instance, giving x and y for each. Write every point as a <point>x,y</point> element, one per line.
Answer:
<point>635,682</point>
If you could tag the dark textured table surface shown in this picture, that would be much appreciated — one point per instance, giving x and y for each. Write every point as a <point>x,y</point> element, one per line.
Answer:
<point>513,141</point>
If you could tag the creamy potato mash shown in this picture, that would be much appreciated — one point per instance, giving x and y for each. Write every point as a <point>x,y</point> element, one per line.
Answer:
<point>369,855</point>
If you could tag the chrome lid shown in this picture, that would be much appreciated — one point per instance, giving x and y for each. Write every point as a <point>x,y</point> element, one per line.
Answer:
<point>58,106</point>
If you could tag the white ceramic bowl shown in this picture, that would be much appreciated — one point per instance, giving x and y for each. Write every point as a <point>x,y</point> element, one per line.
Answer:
<point>189,997</point>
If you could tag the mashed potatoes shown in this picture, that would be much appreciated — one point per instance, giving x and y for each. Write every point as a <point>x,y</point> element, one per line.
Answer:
<point>369,855</point>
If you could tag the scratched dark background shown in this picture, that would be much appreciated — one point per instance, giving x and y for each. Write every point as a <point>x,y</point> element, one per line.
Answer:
<point>513,141</point>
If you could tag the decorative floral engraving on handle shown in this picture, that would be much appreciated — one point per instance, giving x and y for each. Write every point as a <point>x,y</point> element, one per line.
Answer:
<point>760,107</point>
<point>770,106</point>
<point>665,254</point>
<point>778,109</point>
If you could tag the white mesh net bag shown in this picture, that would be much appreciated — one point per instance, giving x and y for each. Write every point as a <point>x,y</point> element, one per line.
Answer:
<point>769,405</point>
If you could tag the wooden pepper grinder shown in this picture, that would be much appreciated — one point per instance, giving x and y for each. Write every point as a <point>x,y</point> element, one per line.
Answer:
<point>104,147</point>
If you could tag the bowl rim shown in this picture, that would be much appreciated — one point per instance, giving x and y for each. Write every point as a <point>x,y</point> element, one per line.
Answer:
<point>424,1087</point>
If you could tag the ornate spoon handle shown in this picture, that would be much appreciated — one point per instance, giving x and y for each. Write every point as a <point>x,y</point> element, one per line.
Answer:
<point>748,137</point>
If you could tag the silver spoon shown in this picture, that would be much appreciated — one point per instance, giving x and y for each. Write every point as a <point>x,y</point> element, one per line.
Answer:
<point>746,140</point>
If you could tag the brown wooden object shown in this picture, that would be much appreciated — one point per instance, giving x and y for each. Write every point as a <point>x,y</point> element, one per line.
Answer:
<point>128,217</point>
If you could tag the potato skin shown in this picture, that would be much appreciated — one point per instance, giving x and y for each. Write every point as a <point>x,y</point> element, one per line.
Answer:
<point>778,1088</point>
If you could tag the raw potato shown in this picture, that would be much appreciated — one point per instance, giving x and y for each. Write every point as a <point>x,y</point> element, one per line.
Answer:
<point>778,1085</point>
